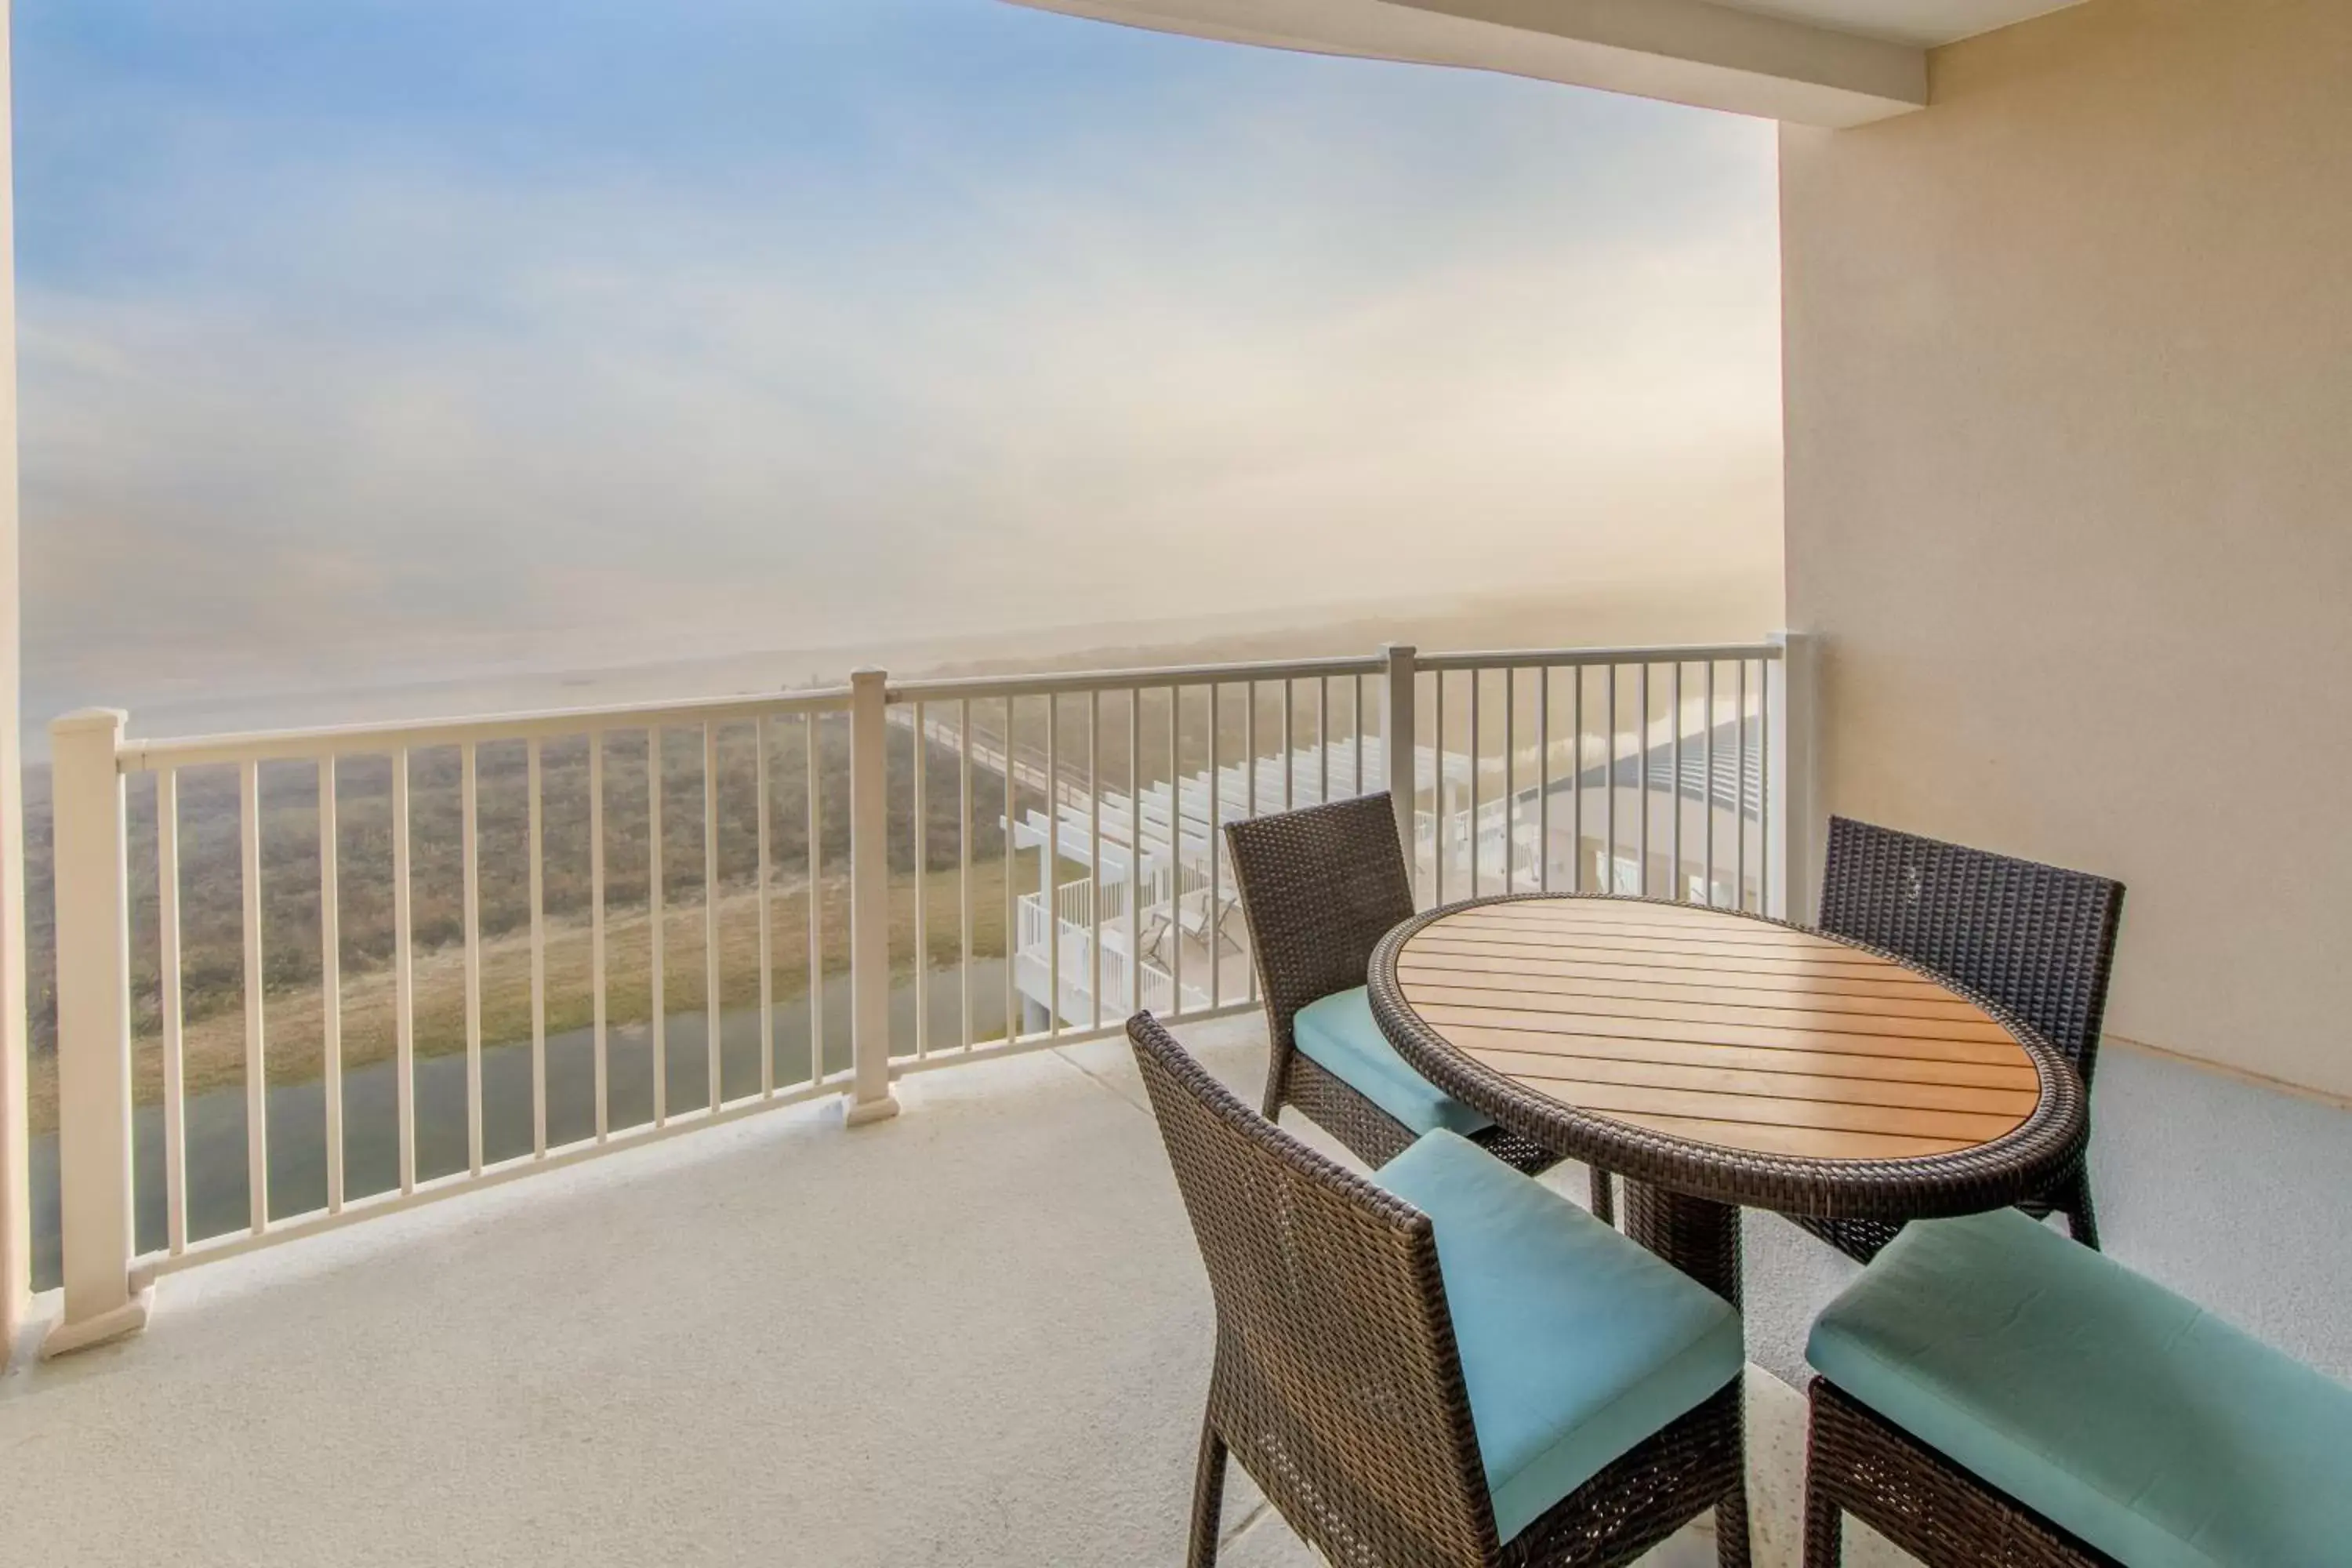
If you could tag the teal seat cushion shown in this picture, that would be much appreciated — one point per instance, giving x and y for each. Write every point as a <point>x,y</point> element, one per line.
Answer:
<point>1576,1344</point>
<point>1338,1033</point>
<point>2132,1417</point>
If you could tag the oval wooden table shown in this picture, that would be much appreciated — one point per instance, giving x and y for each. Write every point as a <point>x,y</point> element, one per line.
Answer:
<point>1718,1060</point>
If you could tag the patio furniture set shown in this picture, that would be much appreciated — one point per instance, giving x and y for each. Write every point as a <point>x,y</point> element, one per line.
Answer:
<point>1445,1361</point>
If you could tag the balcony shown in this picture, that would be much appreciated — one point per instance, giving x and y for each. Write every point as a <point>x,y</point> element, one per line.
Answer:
<point>701,1132</point>
<point>974,1332</point>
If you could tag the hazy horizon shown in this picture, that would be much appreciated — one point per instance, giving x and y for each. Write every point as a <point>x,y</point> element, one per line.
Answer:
<point>392,344</point>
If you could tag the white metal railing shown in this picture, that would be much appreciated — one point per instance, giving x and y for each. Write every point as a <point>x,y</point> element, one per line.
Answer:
<point>1679,772</point>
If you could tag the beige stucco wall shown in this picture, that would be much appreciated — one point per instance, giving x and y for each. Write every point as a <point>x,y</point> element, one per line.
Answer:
<point>2069,367</point>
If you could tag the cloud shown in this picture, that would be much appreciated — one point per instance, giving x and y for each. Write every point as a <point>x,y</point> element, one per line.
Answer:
<point>1270,331</point>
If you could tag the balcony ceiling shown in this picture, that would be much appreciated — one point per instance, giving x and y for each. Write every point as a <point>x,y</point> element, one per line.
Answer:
<point>1817,62</point>
<point>1922,24</point>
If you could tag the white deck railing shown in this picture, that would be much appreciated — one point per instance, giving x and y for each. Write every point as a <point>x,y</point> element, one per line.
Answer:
<point>1660,770</point>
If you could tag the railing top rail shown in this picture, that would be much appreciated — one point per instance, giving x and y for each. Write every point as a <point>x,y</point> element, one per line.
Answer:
<point>1041,685</point>
<point>1561,658</point>
<point>377,739</point>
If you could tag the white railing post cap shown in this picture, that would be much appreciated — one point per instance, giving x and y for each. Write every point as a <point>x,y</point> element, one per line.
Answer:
<point>83,720</point>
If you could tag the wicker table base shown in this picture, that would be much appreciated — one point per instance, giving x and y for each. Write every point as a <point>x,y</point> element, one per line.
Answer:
<point>1696,1236</point>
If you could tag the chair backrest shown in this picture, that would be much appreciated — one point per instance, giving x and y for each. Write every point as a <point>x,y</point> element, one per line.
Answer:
<point>1337,1383</point>
<point>1320,887</point>
<point>2037,939</point>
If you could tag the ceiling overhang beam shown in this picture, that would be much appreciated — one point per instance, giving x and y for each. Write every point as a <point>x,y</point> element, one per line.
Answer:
<point>1684,51</point>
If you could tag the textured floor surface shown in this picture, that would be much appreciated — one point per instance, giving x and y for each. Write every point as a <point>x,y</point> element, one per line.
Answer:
<point>976,1334</point>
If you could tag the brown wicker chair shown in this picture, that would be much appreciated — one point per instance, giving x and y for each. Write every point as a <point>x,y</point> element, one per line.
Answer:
<point>1339,1384</point>
<point>1858,1463</point>
<point>1320,887</point>
<point>1990,1393</point>
<point>2035,939</point>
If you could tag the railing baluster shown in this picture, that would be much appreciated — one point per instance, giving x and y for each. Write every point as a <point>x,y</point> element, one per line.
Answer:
<point>1249,748</point>
<point>1677,886</point>
<point>765,885</point>
<point>1739,819</point>
<point>1249,971</point>
<point>658,920</point>
<point>1175,851</point>
<point>535,825</point>
<point>175,1092</point>
<point>1609,801</point>
<point>963,873</point>
<point>1710,784</point>
<point>1049,869</point>
<point>1543,778</point>
<point>1576,784</point>
<point>1250,805</point>
<point>1356,717</point>
<point>922,887</point>
<point>1477,766</point>
<point>1400,752</point>
<point>1289,747</point>
<point>330,984</point>
<point>1214,893</point>
<point>1642,762</point>
<point>1323,739</point>
<point>1440,795</point>
<point>1094,854</point>
<point>596,921</point>
<point>1011,893</point>
<point>810,734</point>
<point>470,833</point>
<point>713,1018</point>
<point>1134,849</point>
<point>256,1077</point>
<point>1764,791</point>
<point>403,972</point>
<point>1510,780</point>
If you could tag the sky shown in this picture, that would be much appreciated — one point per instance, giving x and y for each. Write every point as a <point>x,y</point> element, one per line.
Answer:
<point>383,340</point>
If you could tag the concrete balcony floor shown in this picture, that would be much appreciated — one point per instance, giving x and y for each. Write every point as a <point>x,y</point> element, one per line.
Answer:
<point>976,1334</point>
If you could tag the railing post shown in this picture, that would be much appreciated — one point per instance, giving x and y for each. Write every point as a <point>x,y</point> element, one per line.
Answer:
<point>93,938</point>
<point>870,1098</point>
<point>1794,823</point>
<point>1397,748</point>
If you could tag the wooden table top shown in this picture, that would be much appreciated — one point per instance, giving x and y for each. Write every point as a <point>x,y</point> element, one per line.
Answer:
<point>1718,1028</point>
